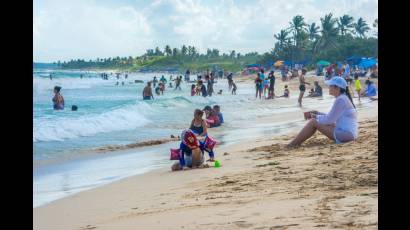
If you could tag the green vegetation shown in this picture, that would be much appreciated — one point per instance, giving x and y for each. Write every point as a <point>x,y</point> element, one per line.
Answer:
<point>334,39</point>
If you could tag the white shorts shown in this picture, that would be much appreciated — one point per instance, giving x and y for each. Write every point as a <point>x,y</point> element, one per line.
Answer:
<point>342,136</point>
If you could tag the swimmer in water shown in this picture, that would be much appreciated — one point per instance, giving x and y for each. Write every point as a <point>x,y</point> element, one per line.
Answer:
<point>58,99</point>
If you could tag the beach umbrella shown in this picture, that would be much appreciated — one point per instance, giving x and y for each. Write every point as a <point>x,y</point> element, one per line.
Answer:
<point>278,63</point>
<point>323,63</point>
<point>367,63</point>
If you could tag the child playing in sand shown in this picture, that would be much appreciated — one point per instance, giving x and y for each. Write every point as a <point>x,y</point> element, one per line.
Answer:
<point>285,92</point>
<point>358,85</point>
<point>190,152</point>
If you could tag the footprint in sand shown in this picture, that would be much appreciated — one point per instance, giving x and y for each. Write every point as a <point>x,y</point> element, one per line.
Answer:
<point>88,227</point>
<point>242,224</point>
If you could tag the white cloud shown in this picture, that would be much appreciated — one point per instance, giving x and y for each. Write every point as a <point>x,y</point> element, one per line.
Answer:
<point>90,29</point>
<point>84,29</point>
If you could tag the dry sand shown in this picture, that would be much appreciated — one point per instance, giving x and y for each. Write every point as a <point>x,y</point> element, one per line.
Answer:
<point>260,186</point>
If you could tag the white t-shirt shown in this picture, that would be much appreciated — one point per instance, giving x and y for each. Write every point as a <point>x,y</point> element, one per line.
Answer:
<point>342,114</point>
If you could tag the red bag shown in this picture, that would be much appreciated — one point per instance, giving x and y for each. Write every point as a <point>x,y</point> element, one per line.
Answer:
<point>175,154</point>
<point>210,142</point>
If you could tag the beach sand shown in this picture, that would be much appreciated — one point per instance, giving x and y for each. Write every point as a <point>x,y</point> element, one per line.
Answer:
<point>259,186</point>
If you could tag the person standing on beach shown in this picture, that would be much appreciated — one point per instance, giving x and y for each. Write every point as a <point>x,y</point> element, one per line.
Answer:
<point>203,89</point>
<point>178,81</point>
<point>155,81</point>
<point>147,92</point>
<point>230,81</point>
<point>258,85</point>
<point>233,88</point>
<point>51,78</point>
<point>302,86</point>
<point>272,79</point>
<point>209,85</point>
<point>163,80</point>
<point>358,85</point>
<point>347,73</point>
<point>340,124</point>
<point>58,99</point>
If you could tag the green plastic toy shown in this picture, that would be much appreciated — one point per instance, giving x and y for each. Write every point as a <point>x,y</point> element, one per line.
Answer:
<point>217,164</point>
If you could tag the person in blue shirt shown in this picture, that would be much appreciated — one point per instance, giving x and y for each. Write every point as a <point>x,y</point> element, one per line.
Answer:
<point>217,109</point>
<point>370,90</point>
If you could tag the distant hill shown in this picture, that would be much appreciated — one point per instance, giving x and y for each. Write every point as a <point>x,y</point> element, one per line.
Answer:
<point>39,65</point>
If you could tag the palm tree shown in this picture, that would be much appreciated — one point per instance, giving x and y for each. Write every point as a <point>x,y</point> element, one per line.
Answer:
<point>168,50</point>
<point>232,55</point>
<point>345,23</point>
<point>158,51</point>
<point>184,50</point>
<point>189,50</point>
<point>282,38</point>
<point>329,33</point>
<point>175,52</point>
<point>313,31</point>
<point>361,27</point>
<point>376,25</point>
<point>215,52</point>
<point>193,51</point>
<point>296,26</point>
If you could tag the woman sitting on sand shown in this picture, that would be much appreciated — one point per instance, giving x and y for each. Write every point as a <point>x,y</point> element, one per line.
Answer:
<point>340,124</point>
<point>200,129</point>
<point>198,125</point>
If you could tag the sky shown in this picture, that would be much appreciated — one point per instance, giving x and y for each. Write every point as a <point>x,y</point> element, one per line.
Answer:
<point>90,29</point>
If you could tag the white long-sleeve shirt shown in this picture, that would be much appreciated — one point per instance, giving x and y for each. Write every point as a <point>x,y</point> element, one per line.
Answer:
<point>342,114</point>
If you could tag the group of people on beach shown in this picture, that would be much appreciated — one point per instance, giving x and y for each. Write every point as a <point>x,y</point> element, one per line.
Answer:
<point>204,85</point>
<point>267,85</point>
<point>196,140</point>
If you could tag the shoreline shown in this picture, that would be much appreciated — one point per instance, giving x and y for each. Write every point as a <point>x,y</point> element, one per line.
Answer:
<point>109,206</point>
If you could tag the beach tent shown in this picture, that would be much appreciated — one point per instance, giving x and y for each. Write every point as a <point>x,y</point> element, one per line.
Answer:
<point>367,63</point>
<point>323,63</point>
<point>354,59</point>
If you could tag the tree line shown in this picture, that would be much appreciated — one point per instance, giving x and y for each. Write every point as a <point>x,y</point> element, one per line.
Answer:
<point>334,39</point>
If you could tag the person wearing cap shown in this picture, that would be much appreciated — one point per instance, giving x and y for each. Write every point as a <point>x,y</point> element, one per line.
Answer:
<point>58,99</point>
<point>340,124</point>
